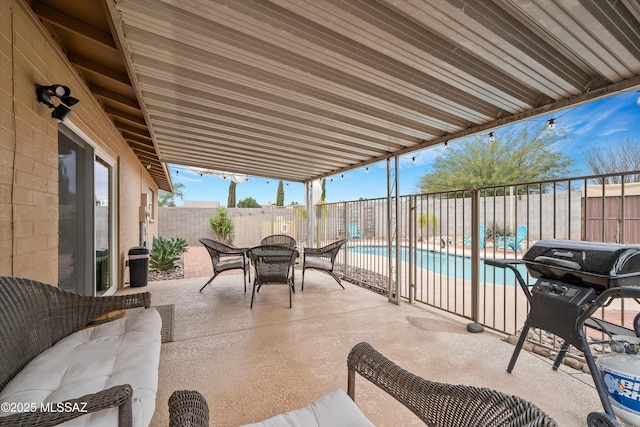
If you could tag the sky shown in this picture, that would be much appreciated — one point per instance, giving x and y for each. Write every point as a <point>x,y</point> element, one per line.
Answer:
<point>598,123</point>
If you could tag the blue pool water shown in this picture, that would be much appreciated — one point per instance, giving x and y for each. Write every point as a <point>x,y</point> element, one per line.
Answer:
<point>451,265</point>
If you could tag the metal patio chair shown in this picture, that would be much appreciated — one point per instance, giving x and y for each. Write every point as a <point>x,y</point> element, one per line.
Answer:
<point>225,258</point>
<point>280,240</point>
<point>322,259</point>
<point>274,265</point>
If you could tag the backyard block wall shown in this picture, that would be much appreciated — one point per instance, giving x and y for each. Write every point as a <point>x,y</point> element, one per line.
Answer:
<point>250,225</point>
<point>29,150</point>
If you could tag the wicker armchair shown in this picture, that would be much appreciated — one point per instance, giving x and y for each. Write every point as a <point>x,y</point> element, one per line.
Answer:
<point>440,404</point>
<point>322,259</point>
<point>274,265</point>
<point>225,258</point>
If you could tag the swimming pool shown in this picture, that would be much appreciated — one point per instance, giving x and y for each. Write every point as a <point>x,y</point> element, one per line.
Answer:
<point>458,266</point>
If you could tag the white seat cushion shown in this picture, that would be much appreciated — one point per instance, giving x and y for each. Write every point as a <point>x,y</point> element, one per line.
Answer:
<point>124,351</point>
<point>319,263</point>
<point>334,409</point>
<point>230,263</point>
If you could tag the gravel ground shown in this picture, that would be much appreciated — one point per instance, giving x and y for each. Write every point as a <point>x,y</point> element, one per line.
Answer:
<point>175,273</point>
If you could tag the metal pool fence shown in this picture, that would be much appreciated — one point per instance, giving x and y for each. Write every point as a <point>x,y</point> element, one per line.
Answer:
<point>431,249</point>
<point>440,235</point>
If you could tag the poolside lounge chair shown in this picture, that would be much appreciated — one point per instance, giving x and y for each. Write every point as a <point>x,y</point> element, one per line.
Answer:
<point>467,237</point>
<point>323,259</point>
<point>354,232</point>
<point>513,242</point>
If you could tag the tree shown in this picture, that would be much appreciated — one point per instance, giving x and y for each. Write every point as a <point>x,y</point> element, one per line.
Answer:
<point>623,156</point>
<point>529,154</point>
<point>231,200</point>
<point>249,202</point>
<point>424,220</point>
<point>322,208</point>
<point>167,198</point>
<point>280,194</point>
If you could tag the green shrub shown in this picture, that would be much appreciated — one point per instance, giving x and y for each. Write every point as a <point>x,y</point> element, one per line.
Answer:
<point>179,244</point>
<point>165,253</point>
<point>495,231</point>
<point>222,226</point>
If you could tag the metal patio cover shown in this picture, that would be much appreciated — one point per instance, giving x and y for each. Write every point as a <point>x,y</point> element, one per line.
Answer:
<point>298,90</point>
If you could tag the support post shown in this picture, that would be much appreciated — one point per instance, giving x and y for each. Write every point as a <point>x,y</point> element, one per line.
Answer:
<point>392,230</point>
<point>475,254</point>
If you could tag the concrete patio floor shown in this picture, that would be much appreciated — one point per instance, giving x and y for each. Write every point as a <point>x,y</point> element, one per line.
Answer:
<point>253,364</point>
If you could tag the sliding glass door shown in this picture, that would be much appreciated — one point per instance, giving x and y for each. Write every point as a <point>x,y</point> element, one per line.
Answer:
<point>86,231</point>
<point>75,215</point>
<point>103,225</point>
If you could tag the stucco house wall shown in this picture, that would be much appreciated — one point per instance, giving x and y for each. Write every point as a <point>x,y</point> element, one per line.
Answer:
<point>29,151</point>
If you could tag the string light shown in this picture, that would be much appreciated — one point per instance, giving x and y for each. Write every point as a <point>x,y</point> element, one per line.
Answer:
<point>638,100</point>
<point>446,145</point>
<point>552,125</point>
<point>492,137</point>
<point>177,173</point>
<point>413,160</point>
<point>342,176</point>
<point>366,170</point>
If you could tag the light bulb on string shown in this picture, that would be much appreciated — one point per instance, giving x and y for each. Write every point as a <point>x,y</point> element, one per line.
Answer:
<point>638,100</point>
<point>552,125</point>
<point>342,177</point>
<point>413,160</point>
<point>492,137</point>
<point>366,170</point>
<point>446,145</point>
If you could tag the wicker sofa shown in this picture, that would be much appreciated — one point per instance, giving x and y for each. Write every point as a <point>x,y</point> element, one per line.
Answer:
<point>53,370</point>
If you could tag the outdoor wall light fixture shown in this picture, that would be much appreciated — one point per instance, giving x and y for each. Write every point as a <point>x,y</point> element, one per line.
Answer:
<point>44,95</point>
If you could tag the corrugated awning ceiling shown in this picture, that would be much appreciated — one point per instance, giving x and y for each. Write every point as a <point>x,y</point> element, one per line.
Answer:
<point>297,90</point>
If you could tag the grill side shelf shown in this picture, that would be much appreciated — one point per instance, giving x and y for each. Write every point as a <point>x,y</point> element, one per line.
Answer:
<point>608,327</point>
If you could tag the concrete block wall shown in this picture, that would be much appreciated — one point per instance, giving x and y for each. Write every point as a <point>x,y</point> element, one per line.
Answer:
<point>250,224</point>
<point>29,150</point>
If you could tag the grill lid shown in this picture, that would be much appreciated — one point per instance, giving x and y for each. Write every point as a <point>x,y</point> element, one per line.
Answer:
<point>598,265</point>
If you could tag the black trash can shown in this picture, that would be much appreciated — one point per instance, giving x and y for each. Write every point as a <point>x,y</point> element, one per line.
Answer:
<point>102,269</point>
<point>138,266</point>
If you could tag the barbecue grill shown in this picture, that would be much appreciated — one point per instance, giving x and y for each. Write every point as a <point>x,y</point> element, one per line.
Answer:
<point>575,279</point>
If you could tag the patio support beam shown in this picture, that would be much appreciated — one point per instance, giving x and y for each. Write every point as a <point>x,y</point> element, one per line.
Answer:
<point>393,236</point>
<point>311,217</point>
<point>413,243</point>
<point>475,254</point>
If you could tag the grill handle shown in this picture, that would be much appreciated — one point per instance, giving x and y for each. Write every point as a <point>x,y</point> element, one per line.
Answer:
<point>571,265</point>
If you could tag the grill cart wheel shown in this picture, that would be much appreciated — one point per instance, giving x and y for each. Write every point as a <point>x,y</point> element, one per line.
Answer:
<point>600,419</point>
